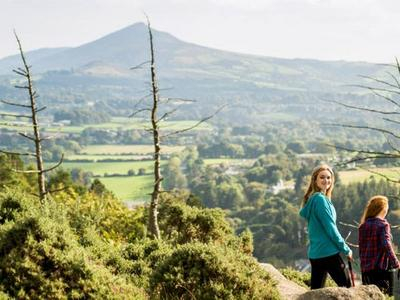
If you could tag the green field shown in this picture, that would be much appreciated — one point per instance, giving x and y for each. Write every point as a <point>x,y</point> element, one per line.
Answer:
<point>98,157</point>
<point>100,168</point>
<point>130,188</point>
<point>360,175</point>
<point>117,123</point>
<point>128,124</point>
<point>127,149</point>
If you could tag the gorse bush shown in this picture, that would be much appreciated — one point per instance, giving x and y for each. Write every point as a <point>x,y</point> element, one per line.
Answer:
<point>40,257</point>
<point>200,271</point>
<point>181,223</point>
<point>64,250</point>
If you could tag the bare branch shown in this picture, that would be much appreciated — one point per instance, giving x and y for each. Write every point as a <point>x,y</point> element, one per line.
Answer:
<point>56,165</point>
<point>18,153</point>
<point>195,125</point>
<point>382,175</point>
<point>16,116</point>
<point>389,155</point>
<point>56,190</point>
<point>379,81</point>
<point>138,112</point>
<point>363,108</point>
<point>394,148</point>
<point>167,114</point>
<point>21,87</point>
<point>365,127</point>
<point>40,109</point>
<point>140,100</point>
<point>391,120</point>
<point>15,104</point>
<point>14,124</point>
<point>26,136</point>
<point>22,73</point>
<point>140,65</point>
<point>394,78</point>
<point>376,89</point>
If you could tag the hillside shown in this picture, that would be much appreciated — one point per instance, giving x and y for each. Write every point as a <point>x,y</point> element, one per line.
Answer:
<point>100,70</point>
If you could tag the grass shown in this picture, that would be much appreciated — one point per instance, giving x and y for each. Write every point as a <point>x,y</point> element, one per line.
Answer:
<point>127,149</point>
<point>359,175</point>
<point>130,188</point>
<point>100,168</point>
<point>127,124</point>
<point>97,157</point>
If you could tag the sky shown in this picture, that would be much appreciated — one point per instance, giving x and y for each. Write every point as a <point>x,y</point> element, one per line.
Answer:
<point>352,30</point>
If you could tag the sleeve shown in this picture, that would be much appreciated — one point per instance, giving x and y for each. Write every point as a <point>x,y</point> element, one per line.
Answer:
<point>324,215</point>
<point>387,244</point>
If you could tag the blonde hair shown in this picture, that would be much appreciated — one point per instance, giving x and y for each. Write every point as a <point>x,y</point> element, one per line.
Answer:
<point>313,187</point>
<point>374,206</point>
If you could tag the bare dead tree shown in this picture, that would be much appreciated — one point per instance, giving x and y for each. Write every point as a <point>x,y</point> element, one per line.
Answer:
<point>32,115</point>
<point>386,114</point>
<point>155,119</point>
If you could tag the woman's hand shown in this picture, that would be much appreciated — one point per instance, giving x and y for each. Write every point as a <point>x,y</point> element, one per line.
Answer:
<point>350,255</point>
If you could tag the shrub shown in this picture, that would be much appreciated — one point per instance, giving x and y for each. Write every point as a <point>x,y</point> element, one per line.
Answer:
<point>42,259</point>
<point>183,224</point>
<point>200,271</point>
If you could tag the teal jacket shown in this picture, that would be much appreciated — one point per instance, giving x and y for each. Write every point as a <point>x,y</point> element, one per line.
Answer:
<point>325,239</point>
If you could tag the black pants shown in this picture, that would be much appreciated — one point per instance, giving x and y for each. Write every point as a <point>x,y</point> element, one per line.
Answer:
<point>384,280</point>
<point>332,265</point>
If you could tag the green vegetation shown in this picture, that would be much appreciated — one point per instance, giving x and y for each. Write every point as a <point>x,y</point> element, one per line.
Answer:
<point>103,168</point>
<point>130,188</point>
<point>127,149</point>
<point>360,175</point>
<point>84,243</point>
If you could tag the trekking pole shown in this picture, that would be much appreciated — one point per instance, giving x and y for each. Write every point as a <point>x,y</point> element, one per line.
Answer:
<point>349,264</point>
<point>351,273</point>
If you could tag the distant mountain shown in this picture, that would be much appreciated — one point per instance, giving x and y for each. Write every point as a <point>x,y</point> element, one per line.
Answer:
<point>100,70</point>
<point>129,46</point>
<point>7,64</point>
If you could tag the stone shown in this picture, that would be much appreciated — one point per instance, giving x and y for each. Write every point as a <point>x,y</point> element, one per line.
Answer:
<point>361,292</point>
<point>290,290</point>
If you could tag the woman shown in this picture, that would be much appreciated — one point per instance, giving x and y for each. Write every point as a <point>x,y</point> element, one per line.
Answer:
<point>377,257</point>
<point>326,243</point>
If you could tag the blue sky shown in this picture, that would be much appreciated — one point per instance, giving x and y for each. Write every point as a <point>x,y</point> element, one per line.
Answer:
<point>366,30</point>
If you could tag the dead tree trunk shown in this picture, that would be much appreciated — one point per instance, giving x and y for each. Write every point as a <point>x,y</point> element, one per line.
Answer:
<point>152,227</point>
<point>153,212</point>
<point>36,137</point>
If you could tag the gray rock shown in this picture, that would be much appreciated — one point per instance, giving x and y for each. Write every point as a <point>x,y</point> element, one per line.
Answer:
<point>361,292</point>
<point>287,289</point>
<point>290,290</point>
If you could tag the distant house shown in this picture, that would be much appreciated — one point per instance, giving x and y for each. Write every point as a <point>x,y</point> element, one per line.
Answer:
<point>275,189</point>
<point>62,123</point>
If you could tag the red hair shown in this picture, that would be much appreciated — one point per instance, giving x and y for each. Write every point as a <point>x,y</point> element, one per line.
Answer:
<point>374,206</point>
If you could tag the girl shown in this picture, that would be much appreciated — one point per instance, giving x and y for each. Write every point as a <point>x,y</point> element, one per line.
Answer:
<point>325,240</point>
<point>374,239</point>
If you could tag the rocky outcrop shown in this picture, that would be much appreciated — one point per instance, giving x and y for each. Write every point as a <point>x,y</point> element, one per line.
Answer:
<point>361,292</point>
<point>290,290</point>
